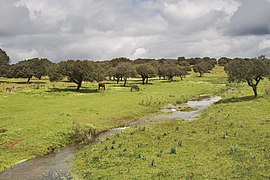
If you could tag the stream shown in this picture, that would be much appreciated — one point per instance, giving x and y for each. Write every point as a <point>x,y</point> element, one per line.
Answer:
<point>58,165</point>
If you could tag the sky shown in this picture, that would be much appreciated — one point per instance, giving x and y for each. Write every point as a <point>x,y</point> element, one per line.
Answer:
<point>106,29</point>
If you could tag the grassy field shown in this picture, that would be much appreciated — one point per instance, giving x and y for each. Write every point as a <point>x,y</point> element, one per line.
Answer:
<point>41,114</point>
<point>231,140</point>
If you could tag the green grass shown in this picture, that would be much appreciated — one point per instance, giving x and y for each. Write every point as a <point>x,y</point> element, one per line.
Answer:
<point>231,140</point>
<point>37,117</point>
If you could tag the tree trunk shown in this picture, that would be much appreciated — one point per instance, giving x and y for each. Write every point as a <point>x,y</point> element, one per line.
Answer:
<point>147,80</point>
<point>143,80</point>
<point>125,82</point>
<point>117,80</point>
<point>254,88</point>
<point>79,85</point>
<point>181,78</point>
<point>29,78</point>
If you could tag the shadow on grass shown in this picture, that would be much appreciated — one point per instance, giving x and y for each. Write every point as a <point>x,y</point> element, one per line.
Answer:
<point>82,90</point>
<point>21,82</point>
<point>240,99</point>
<point>129,83</point>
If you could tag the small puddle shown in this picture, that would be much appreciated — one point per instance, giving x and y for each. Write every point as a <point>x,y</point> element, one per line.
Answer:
<point>58,165</point>
<point>198,106</point>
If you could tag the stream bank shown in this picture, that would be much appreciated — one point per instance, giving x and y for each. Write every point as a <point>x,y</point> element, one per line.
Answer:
<point>58,165</point>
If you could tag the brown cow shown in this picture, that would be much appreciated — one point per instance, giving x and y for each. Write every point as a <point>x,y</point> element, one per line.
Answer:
<point>101,85</point>
<point>135,87</point>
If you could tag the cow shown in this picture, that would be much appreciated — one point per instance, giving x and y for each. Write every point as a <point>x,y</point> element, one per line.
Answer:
<point>9,90</point>
<point>101,85</point>
<point>135,87</point>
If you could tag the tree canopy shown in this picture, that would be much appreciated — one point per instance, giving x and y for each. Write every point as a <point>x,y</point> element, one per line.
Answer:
<point>146,71</point>
<point>4,62</point>
<point>203,67</point>
<point>251,71</point>
<point>125,71</point>
<point>28,68</point>
<point>79,71</point>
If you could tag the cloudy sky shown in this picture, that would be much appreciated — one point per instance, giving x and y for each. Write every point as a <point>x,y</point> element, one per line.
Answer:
<point>104,29</point>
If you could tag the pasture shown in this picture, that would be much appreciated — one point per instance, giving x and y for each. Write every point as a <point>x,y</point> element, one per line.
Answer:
<point>40,115</point>
<point>230,140</point>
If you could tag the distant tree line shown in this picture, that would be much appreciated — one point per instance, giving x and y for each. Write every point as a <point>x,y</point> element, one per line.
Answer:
<point>250,70</point>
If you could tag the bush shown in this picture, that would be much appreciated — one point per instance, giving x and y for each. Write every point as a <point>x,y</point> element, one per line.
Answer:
<point>82,133</point>
<point>267,89</point>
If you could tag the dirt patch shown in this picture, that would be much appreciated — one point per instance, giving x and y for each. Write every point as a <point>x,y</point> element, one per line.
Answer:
<point>12,145</point>
<point>2,130</point>
<point>123,120</point>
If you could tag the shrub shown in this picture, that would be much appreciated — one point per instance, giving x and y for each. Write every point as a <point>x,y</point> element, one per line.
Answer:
<point>82,133</point>
<point>173,150</point>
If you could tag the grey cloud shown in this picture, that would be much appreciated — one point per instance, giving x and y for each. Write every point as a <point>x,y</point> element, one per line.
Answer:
<point>104,29</point>
<point>251,18</point>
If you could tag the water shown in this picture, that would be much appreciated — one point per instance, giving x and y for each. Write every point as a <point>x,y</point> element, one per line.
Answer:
<point>54,166</point>
<point>198,105</point>
<point>58,165</point>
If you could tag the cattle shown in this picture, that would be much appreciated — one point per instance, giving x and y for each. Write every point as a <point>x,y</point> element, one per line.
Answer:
<point>9,89</point>
<point>101,85</point>
<point>135,87</point>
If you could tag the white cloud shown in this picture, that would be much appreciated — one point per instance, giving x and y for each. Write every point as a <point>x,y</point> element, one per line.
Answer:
<point>139,53</point>
<point>104,29</point>
<point>264,44</point>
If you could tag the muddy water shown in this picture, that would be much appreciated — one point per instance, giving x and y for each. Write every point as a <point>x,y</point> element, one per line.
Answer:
<point>54,166</point>
<point>58,165</point>
<point>198,106</point>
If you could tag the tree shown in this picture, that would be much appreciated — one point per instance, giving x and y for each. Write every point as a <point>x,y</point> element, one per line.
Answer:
<point>251,71</point>
<point>146,71</point>
<point>4,58</point>
<point>28,68</point>
<point>4,62</point>
<point>22,69</point>
<point>203,67</point>
<point>40,67</point>
<point>79,71</point>
<point>182,72</point>
<point>125,71</point>
<point>223,61</point>
<point>171,70</point>
<point>54,74</point>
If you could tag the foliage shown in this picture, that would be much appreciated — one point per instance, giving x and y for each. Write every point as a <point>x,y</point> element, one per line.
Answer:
<point>79,71</point>
<point>4,58</point>
<point>251,71</point>
<point>28,68</point>
<point>124,71</point>
<point>203,67</point>
<point>146,71</point>
<point>82,133</point>
<point>223,61</point>
<point>4,62</point>
<point>38,118</point>
<point>243,154</point>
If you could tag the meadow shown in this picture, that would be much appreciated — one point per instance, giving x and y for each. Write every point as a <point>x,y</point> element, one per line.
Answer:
<point>40,115</point>
<point>231,140</point>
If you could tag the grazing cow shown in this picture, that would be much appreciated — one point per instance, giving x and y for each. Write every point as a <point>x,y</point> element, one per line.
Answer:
<point>135,87</point>
<point>101,85</point>
<point>9,90</point>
